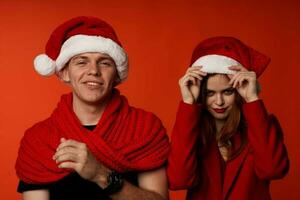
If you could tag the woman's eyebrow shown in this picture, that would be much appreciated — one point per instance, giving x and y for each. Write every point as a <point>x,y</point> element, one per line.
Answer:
<point>229,88</point>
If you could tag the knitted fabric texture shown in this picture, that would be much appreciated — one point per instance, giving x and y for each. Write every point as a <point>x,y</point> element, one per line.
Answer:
<point>125,139</point>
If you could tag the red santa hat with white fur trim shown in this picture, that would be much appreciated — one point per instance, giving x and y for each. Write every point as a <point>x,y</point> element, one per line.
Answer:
<point>81,35</point>
<point>216,54</point>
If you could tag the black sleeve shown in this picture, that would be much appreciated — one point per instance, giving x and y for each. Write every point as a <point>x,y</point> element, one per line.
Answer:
<point>131,177</point>
<point>23,187</point>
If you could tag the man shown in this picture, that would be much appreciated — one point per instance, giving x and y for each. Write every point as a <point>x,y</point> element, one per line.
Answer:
<point>94,145</point>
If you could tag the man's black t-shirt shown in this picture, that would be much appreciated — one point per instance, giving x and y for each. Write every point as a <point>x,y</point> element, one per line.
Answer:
<point>70,187</point>
<point>74,187</point>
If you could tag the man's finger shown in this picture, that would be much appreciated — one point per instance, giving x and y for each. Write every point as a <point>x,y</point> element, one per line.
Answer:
<point>65,150</point>
<point>71,143</point>
<point>67,157</point>
<point>68,165</point>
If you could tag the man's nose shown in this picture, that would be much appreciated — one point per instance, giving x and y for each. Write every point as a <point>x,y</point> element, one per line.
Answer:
<point>93,69</point>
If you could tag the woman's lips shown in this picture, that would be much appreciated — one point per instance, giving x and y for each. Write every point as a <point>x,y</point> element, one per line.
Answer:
<point>220,110</point>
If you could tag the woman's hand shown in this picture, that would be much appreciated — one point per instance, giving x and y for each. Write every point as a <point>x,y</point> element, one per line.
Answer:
<point>190,84</point>
<point>75,155</point>
<point>245,83</point>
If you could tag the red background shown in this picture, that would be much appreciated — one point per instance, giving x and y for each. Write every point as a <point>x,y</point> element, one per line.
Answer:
<point>159,37</point>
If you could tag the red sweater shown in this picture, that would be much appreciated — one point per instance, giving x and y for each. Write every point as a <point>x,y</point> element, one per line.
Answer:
<point>246,176</point>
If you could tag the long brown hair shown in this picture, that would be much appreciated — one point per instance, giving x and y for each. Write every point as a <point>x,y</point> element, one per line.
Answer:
<point>235,123</point>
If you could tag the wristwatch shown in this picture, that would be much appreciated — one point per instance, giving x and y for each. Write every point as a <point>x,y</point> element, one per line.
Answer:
<point>114,183</point>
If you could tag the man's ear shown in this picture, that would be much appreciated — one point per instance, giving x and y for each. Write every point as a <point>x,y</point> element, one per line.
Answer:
<point>117,80</point>
<point>63,75</point>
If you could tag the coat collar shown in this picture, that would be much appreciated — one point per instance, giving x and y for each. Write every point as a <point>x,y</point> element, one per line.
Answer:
<point>212,163</point>
<point>232,171</point>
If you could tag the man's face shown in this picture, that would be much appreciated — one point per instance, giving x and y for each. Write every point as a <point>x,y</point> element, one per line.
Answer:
<point>91,75</point>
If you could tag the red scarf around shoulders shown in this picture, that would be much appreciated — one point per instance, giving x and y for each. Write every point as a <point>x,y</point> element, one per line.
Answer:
<point>125,139</point>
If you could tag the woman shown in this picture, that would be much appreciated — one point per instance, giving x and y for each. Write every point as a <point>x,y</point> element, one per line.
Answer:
<point>224,144</point>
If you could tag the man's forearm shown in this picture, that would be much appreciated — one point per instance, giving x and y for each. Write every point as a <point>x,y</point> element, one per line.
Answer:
<point>42,194</point>
<point>132,192</point>
<point>152,185</point>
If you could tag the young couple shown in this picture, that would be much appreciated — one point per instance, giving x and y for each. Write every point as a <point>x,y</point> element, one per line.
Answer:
<point>224,144</point>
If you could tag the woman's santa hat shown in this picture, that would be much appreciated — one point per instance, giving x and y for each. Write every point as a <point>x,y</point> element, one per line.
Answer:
<point>216,54</point>
<point>81,35</point>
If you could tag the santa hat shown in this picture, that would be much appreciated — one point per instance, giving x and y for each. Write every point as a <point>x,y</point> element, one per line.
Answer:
<point>216,54</point>
<point>81,35</point>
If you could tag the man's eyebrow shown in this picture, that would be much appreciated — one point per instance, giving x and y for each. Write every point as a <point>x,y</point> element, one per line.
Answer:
<point>106,57</point>
<point>79,57</point>
<point>85,57</point>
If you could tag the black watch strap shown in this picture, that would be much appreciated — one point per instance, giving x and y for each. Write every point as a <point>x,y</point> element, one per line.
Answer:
<point>115,183</point>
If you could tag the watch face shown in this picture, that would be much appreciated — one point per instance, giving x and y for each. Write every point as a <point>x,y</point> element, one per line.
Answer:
<point>115,182</point>
<point>114,178</point>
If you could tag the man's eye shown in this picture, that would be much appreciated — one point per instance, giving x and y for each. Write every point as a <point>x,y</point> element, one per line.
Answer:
<point>106,63</point>
<point>80,63</point>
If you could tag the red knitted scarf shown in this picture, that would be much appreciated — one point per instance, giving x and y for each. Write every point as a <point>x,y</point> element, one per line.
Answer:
<point>125,139</point>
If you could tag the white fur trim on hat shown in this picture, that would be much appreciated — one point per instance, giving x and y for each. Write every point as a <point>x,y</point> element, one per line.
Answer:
<point>216,64</point>
<point>44,65</point>
<point>84,43</point>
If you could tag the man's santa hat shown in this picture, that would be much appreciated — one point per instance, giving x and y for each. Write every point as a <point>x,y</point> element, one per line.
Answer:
<point>216,54</point>
<point>81,35</point>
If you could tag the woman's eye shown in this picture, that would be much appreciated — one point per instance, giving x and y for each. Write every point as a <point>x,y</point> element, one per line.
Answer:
<point>209,93</point>
<point>229,92</point>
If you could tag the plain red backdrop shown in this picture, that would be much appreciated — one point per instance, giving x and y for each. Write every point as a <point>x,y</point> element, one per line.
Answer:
<point>159,37</point>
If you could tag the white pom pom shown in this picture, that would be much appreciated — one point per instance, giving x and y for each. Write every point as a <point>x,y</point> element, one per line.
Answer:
<point>44,65</point>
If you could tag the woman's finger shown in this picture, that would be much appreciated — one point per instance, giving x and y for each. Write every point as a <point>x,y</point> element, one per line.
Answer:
<point>230,76</point>
<point>189,79</point>
<point>196,69</point>
<point>195,75</point>
<point>237,82</point>
<point>241,81</point>
<point>237,68</point>
<point>233,79</point>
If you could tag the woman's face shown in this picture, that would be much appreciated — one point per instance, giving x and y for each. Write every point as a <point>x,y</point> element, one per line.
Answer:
<point>220,96</point>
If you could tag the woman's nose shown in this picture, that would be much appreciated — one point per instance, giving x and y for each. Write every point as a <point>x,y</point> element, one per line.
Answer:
<point>219,100</point>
